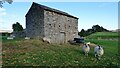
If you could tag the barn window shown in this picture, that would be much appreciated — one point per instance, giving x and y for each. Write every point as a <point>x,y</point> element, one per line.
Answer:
<point>74,32</point>
<point>59,25</point>
<point>75,27</point>
<point>69,26</point>
<point>65,26</point>
<point>50,24</point>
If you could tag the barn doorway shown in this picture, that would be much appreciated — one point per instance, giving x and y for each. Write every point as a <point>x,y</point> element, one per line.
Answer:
<point>62,37</point>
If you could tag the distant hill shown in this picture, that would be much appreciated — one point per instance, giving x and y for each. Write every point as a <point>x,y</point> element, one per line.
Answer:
<point>117,30</point>
<point>5,31</point>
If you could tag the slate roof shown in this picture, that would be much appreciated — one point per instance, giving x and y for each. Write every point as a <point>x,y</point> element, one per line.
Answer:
<point>53,10</point>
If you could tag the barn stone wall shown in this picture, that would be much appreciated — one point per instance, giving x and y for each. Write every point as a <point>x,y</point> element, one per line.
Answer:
<point>35,22</point>
<point>51,24</point>
<point>19,34</point>
<point>59,28</point>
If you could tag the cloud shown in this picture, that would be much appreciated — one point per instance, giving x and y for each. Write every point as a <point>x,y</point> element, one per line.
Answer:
<point>1,21</point>
<point>3,12</point>
<point>2,9</point>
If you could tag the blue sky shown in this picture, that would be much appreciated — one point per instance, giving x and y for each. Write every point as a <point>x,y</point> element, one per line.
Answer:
<point>89,13</point>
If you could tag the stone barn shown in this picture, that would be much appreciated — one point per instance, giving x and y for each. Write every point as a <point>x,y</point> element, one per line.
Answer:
<point>52,24</point>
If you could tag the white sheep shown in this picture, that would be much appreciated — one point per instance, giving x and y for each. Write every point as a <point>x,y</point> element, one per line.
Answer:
<point>86,49</point>
<point>98,50</point>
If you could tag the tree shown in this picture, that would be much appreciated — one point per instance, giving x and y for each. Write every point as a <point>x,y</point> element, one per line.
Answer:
<point>95,28</point>
<point>82,33</point>
<point>98,28</point>
<point>89,31</point>
<point>17,27</point>
<point>3,1</point>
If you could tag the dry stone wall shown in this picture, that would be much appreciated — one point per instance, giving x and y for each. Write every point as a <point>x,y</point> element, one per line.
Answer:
<point>60,28</point>
<point>19,34</point>
<point>35,22</point>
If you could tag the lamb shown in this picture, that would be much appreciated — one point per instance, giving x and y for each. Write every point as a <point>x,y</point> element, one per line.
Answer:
<point>86,49</point>
<point>98,50</point>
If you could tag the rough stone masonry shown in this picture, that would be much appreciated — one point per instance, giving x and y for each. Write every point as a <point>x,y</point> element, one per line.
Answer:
<point>46,22</point>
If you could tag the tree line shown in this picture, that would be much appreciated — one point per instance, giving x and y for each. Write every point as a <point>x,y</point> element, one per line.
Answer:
<point>95,28</point>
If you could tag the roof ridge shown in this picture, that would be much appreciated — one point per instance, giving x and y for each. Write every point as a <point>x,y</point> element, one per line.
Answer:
<point>54,10</point>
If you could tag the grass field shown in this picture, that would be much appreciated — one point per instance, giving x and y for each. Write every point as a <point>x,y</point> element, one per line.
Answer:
<point>37,53</point>
<point>104,35</point>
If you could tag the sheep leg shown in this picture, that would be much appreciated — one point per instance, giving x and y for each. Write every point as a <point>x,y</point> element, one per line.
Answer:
<point>98,58</point>
<point>95,54</point>
<point>83,52</point>
<point>87,54</point>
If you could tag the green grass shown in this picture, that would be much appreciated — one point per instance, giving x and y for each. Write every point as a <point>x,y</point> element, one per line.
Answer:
<point>0,38</point>
<point>110,46</point>
<point>35,52</point>
<point>38,53</point>
<point>104,35</point>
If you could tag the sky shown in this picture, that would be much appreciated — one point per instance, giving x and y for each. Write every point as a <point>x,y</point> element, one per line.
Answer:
<point>89,13</point>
